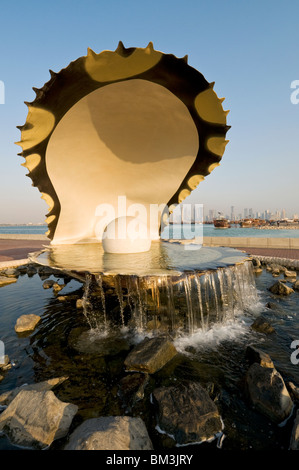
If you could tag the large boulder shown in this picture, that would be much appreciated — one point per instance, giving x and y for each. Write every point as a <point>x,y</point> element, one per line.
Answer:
<point>7,397</point>
<point>150,355</point>
<point>35,419</point>
<point>110,433</point>
<point>268,393</point>
<point>187,413</point>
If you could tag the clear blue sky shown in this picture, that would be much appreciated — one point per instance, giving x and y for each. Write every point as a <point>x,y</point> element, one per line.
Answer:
<point>250,49</point>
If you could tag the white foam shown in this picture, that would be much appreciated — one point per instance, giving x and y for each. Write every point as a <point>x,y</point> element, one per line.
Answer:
<point>230,330</point>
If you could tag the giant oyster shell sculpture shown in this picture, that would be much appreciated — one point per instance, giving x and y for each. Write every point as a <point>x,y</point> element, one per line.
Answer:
<point>133,123</point>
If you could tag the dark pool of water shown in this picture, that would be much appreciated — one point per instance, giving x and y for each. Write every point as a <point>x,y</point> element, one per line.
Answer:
<point>215,358</point>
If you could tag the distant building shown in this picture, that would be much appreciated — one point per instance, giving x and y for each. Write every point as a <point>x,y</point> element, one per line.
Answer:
<point>232,213</point>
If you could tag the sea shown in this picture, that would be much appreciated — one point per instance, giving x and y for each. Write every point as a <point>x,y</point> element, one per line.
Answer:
<point>179,231</point>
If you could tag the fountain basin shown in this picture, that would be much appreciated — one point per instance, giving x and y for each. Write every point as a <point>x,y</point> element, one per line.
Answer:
<point>170,288</point>
<point>170,258</point>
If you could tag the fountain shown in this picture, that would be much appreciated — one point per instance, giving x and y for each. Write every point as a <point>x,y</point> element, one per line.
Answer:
<point>115,142</point>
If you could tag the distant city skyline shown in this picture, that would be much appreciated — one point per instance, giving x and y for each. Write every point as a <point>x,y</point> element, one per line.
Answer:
<point>249,212</point>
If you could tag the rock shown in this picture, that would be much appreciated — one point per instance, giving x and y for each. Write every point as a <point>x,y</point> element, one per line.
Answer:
<point>277,268</point>
<point>27,323</point>
<point>289,273</point>
<point>80,303</point>
<point>275,271</point>
<point>262,325</point>
<point>276,307</point>
<point>296,285</point>
<point>36,419</point>
<point>48,284</point>
<point>268,393</point>
<point>280,288</point>
<point>110,433</point>
<point>256,262</point>
<point>294,443</point>
<point>91,342</point>
<point>254,354</point>
<point>7,397</point>
<point>187,413</point>
<point>294,391</point>
<point>131,387</point>
<point>31,270</point>
<point>11,272</point>
<point>5,281</point>
<point>5,364</point>
<point>57,287</point>
<point>150,355</point>
<point>257,270</point>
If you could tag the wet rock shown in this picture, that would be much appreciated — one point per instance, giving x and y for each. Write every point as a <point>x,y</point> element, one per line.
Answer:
<point>57,287</point>
<point>280,288</point>
<point>150,355</point>
<point>80,303</point>
<point>31,270</point>
<point>48,284</point>
<point>110,433</point>
<point>7,397</point>
<point>5,281</point>
<point>22,269</point>
<point>294,391</point>
<point>254,354</point>
<point>187,413</point>
<point>36,419</point>
<point>296,285</point>
<point>289,273</point>
<point>5,362</point>
<point>27,323</point>
<point>11,272</point>
<point>276,307</point>
<point>257,269</point>
<point>95,343</point>
<point>268,393</point>
<point>262,325</point>
<point>131,388</point>
<point>256,262</point>
<point>294,443</point>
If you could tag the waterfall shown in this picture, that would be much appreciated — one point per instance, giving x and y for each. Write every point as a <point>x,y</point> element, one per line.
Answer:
<point>168,303</point>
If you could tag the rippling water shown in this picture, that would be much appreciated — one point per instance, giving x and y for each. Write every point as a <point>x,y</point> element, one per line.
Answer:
<point>215,357</point>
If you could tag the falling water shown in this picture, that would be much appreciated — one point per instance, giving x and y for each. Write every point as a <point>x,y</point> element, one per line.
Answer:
<point>183,302</point>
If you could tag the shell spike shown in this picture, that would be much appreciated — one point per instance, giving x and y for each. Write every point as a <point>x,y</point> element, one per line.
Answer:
<point>90,52</point>
<point>149,47</point>
<point>53,74</point>
<point>211,85</point>
<point>120,48</point>
<point>185,58</point>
